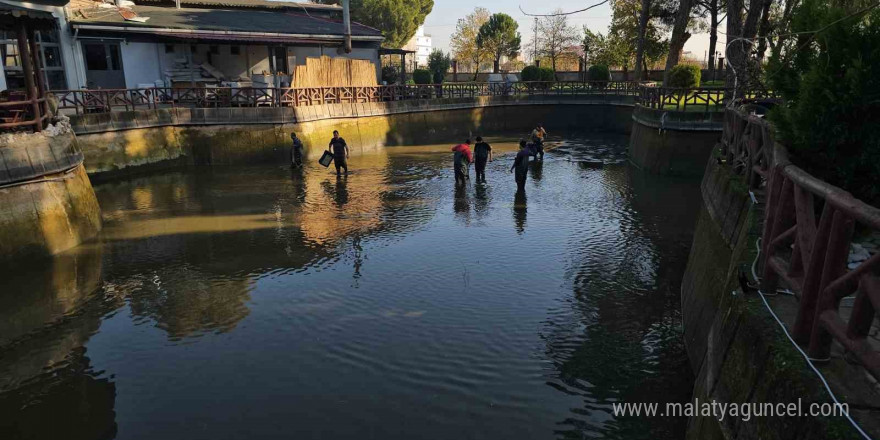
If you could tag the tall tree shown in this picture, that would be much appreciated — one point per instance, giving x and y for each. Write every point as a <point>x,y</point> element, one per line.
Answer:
<point>740,35</point>
<point>463,41</point>
<point>397,19</point>
<point>642,31</point>
<point>623,36</point>
<point>499,36</point>
<point>556,39</point>
<point>680,35</point>
<point>715,9</point>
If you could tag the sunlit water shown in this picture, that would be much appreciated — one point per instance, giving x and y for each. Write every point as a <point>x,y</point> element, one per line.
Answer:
<point>256,302</point>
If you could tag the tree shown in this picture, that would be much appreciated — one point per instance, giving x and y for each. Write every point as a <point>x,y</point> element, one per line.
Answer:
<point>499,37</point>
<point>830,81</point>
<point>680,36</point>
<point>623,36</point>
<point>715,9</point>
<point>397,19</point>
<point>438,64</point>
<point>463,41</point>
<point>556,39</point>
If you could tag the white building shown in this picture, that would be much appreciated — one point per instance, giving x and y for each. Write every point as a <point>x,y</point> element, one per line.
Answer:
<point>420,43</point>
<point>97,45</point>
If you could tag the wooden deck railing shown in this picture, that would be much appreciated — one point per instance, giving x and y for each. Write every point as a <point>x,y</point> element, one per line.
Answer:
<point>694,99</point>
<point>105,100</point>
<point>806,240</point>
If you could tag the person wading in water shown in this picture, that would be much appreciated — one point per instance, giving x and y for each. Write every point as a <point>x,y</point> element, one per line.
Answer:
<point>521,165</point>
<point>340,152</point>
<point>296,152</point>
<point>462,158</point>
<point>482,154</point>
<point>538,135</point>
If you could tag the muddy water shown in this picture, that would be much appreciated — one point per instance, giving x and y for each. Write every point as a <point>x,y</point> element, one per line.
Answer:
<point>256,302</point>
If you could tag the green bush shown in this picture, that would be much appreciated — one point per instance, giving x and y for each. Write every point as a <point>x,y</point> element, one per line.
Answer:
<point>422,76</point>
<point>599,72</point>
<point>530,73</point>
<point>546,74</point>
<point>438,64</point>
<point>830,120</point>
<point>390,74</point>
<point>685,76</point>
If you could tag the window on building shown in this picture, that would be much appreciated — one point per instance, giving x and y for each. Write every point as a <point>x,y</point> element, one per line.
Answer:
<point>49,58</point>
<point>214,49</point>
<point>278,59</point>
<point>234,50</point>
<point>169,48</point>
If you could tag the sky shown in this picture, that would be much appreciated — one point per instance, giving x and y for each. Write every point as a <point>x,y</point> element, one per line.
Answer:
<point>440,24</point>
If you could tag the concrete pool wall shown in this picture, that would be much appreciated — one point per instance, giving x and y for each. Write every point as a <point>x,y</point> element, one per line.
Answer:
<point>121,142</point>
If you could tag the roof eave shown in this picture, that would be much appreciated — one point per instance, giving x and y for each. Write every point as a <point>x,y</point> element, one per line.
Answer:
<point>160,31</point>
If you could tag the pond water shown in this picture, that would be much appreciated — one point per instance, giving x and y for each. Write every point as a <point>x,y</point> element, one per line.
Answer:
<point>257,302</point>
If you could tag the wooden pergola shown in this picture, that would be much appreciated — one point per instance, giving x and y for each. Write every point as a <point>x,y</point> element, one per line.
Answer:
<point>28,108</point>
<point>402,53</point>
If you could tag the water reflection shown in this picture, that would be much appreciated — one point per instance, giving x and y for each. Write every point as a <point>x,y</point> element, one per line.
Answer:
<point>520,209</point>
<point>536,170</point>
<point>241,298</point>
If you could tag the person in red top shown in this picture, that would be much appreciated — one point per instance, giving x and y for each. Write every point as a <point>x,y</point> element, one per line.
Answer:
<point>461,160</point>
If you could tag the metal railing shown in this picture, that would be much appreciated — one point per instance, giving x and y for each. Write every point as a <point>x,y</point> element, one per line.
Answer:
<point>20,115</point>
<point>806,241</point>
<point>106,100</point>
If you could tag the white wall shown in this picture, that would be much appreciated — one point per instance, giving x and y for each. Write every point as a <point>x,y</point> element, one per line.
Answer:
<point>140,63</point>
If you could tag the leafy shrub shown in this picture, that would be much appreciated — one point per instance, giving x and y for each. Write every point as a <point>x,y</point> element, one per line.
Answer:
<point>530,73</point>
<point>422,76</point>
<point>599,72</point>
<point>390,74</point>
<point>546,74</point>
<point>831,117</point>
<point>685,76</point>
<point>438,64</point>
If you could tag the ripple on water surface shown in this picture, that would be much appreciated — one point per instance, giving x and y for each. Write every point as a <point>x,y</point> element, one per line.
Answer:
<point>234,302</point>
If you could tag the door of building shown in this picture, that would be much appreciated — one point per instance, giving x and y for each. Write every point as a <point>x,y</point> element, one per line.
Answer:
<point>103,65</point>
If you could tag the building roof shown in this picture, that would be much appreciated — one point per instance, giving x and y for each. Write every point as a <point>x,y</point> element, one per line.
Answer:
<point>259,4</point>
<point>227,24</point>
<point>46,2</point>
<point>10,15</point>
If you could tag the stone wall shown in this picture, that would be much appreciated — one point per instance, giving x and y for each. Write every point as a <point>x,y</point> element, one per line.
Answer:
<point>123,142</point>
<point>737,350</point>
<point>48,202</point>
<point>673,143</point>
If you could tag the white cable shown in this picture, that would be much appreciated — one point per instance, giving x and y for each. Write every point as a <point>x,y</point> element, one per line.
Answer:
<point>798,348</point>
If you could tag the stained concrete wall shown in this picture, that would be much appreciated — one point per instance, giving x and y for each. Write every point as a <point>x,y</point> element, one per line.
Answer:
<point>48,203</point>
<point>123,142</point>
<point>739,354</point>
<point>673,143</point>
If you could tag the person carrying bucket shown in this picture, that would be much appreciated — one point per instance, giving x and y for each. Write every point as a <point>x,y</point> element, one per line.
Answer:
<point>340,152</point>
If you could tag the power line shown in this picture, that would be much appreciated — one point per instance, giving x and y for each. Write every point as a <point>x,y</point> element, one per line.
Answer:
<point>564,13</point>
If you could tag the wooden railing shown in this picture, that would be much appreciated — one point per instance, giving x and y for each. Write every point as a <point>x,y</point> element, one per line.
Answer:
<point>747,143</point>
<point>806,242</point>
<point>105,100</point>
<point>694,99</point>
